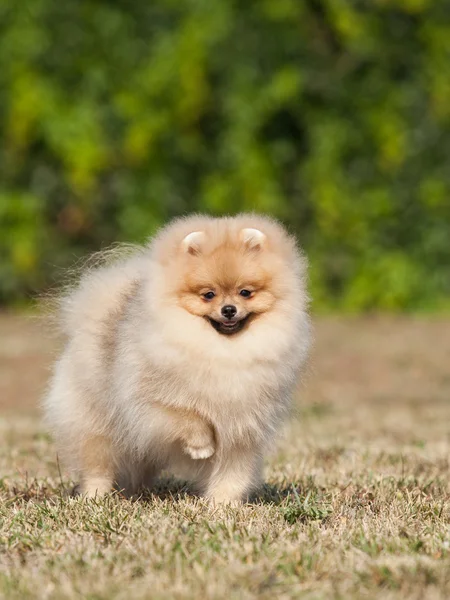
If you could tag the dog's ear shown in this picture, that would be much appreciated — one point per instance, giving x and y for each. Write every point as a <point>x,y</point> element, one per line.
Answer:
<point>192,243</point>
<point>253,238</point>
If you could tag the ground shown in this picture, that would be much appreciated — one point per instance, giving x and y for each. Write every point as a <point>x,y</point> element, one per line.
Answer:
<point>356,503</point>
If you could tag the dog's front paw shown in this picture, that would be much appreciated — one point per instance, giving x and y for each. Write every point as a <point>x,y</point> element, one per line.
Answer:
<point>200,452</point>
<point>198,440</point>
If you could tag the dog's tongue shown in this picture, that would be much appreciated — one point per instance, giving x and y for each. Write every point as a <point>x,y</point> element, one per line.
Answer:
<point>229,323</point>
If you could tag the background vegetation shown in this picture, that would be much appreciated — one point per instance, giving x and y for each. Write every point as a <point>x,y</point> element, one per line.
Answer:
<point>333,115</point>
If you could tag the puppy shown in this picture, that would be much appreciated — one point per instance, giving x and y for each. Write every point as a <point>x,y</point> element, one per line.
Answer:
<point>182,356</point>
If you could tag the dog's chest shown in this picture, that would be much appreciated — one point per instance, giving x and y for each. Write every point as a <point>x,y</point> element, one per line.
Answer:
<point>245,398</point>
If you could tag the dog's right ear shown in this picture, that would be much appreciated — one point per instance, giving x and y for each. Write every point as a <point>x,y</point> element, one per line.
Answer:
<point>192,243</point>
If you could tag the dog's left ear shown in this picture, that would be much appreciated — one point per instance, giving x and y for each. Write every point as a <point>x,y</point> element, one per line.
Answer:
<point>253,238</point>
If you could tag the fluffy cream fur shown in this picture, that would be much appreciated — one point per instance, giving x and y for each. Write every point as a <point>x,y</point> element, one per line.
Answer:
<point>152,377</point>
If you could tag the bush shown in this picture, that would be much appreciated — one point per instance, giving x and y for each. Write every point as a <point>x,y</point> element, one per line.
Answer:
<point>332,115</point>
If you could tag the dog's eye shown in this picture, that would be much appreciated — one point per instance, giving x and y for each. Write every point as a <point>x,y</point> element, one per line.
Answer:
<point>245,293</point>
<point>209,295</point>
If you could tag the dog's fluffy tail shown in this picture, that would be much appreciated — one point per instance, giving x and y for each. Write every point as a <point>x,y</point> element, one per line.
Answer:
<point>94,289</point>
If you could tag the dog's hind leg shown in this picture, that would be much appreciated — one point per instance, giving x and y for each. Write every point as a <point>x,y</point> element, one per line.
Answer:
<point>96,466</point>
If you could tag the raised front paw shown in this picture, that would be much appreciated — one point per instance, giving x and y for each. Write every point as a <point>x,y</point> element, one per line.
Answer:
<point>200,452</point>
<point>199,440</point>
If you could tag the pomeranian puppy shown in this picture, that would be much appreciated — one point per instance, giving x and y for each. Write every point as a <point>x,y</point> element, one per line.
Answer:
<point>182,356</point>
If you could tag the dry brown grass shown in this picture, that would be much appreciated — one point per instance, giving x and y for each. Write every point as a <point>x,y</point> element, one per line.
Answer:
<point>356,503</point>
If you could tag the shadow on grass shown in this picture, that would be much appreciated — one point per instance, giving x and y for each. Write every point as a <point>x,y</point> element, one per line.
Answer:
<point>167,488</point>
<point>31,490</point>
<point>297,502</point>
<point>174,489</point>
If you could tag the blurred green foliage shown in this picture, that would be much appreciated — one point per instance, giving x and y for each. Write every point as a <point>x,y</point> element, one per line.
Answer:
<point>332,115</point>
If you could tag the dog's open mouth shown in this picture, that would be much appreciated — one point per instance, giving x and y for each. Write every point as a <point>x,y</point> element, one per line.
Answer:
<point>229,327</point>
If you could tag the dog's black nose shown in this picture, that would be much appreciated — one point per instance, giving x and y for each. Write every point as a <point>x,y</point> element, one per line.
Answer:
<point>229,311</point>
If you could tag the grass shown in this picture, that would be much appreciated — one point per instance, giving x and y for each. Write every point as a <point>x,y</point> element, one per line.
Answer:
<point>356,503</point>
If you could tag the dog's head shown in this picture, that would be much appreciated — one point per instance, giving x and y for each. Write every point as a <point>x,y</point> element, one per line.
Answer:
<point>227,283</point>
